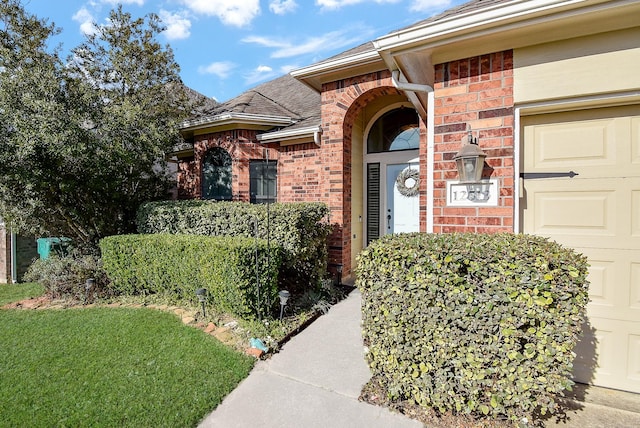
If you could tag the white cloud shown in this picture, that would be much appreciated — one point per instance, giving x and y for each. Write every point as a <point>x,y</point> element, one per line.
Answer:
<point>288,67</point>
<point>238,13</point>
<point>222,69</point>
<point>326,42</point>
<point>178,26</point>
<point>115,2</point>
<point>281,7</point>
<point>261,73</point>
<point>86,20</point>
<point>337,4</point>
<point>428,5</point>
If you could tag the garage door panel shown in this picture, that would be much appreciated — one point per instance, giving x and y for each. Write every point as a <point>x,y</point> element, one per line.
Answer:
<point>612,291</point>
<point>608,354</point>
<point>551,151</point>
<point>575,212</point>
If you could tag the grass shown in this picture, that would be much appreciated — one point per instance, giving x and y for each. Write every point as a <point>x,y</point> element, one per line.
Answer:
<point>12,293</point>
<point>105,367</point>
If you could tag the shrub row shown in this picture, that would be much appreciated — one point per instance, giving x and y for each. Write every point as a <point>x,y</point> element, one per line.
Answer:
<point>473,324</point>
<point>239,273</point>
<point>298,228</point>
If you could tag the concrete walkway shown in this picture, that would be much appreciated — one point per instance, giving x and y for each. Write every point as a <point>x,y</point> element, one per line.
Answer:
<point>316,379</point>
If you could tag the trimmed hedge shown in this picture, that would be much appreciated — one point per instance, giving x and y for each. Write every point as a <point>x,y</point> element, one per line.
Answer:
<point>473,324</point>
<point>177,265</point>
<point>297,227</point>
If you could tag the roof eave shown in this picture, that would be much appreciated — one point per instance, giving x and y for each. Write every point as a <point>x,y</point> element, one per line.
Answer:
<point>300,134</point>
<point>226,119</point>
<point>316,74</point>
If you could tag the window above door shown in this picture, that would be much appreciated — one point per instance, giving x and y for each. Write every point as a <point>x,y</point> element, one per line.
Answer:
<point>394,131</point>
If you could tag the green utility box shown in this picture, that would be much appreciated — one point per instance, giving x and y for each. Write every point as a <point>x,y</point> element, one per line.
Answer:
<point>48,245</point>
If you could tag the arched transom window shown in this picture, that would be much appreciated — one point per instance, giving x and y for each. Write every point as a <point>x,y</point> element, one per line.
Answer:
<point>395,130</point>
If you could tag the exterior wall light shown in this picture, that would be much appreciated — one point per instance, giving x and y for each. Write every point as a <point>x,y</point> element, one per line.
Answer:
<point>284,297</point>
<point>201,293</point>
<point>470,161</point>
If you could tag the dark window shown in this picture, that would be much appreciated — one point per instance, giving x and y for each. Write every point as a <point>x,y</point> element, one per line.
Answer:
<point>216,175</point>
<point>394,130</point>
<point>262,181</point>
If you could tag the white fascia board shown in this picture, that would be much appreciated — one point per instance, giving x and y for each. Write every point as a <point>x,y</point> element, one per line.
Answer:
<point>291,134</point>
<point>235,118</point>
<point>492,16</point>
<point>343,63</point>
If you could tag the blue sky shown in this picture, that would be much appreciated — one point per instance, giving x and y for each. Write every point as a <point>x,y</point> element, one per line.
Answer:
<point>225,47</point>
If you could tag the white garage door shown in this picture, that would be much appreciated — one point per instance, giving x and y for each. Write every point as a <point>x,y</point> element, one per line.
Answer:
<point>598,213</point>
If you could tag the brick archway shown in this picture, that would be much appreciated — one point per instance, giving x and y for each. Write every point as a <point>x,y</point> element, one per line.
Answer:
<point>343,102</point>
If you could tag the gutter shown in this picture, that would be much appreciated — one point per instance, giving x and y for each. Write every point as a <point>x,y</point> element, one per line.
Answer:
<point>292,134</point>
<point>430,114</point>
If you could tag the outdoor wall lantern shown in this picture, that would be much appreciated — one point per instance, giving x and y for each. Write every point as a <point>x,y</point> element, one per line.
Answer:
<point>470,161</point>
<point>284,297</point>
<point>201,293</point>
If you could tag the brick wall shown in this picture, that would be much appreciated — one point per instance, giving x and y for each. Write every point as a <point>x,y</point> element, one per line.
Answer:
<point>342,101</point>
<point>477,93</point>
<point>241,145</point>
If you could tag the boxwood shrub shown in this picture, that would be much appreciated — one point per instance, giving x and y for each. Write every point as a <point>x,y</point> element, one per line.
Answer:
<point>474,324</point>
<point>177,265</point>
<point>299,228</point>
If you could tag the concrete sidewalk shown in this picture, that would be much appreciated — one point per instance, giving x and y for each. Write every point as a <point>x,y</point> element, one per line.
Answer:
<point>316,379</point>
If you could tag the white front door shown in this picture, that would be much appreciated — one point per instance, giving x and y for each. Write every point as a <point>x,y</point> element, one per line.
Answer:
<point>402,200</point>
<point>392,196</point>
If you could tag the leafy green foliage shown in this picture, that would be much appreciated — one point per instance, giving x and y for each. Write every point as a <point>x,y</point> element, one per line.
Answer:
<point>297,228</point>
<point>110,367</point>
<point>473,324</point>
<point>66,276</point>
<point>83,140</point>
<point>177,265</point>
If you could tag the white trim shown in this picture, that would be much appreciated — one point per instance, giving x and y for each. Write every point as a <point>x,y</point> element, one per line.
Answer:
<point>291,134</point>
<point>430,158</point>
<point>517,181</point>
<point>491,16</point>
<point>342,63</point>
<point>14,254</point>
<point>235,118</point>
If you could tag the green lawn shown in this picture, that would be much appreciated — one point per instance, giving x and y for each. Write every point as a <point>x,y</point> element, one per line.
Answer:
<point>12,293</point>
<point>108,367</point>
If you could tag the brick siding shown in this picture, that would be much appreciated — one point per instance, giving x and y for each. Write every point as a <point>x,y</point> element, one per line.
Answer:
<point>477,93</point>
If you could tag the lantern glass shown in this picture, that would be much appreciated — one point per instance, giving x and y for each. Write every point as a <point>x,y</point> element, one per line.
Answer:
<point>470,168</point>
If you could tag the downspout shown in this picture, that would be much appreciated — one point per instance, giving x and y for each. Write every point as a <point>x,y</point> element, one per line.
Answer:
<point>317,135</point>
<point>415,87</point>
<point>14,262</point>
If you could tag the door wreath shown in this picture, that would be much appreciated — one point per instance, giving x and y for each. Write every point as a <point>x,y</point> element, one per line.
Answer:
<point>408,182</point>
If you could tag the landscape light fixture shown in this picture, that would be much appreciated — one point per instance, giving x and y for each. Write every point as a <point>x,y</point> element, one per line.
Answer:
<point>470,161</point>
<point>88,287</point>
<point>284,297</point>
<point>202,296</point>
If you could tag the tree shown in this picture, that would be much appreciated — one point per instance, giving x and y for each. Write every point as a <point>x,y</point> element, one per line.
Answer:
<point>83,141</point>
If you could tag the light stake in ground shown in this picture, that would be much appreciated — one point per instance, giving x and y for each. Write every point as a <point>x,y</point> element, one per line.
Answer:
<point>202,296</point>
<point>284,296</point>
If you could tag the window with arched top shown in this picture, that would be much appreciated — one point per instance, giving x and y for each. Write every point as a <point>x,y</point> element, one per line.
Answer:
<point>216,174</point>
<point>393,131</point>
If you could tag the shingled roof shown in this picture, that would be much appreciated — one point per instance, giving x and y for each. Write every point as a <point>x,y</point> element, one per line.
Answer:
<point>288,97</point>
